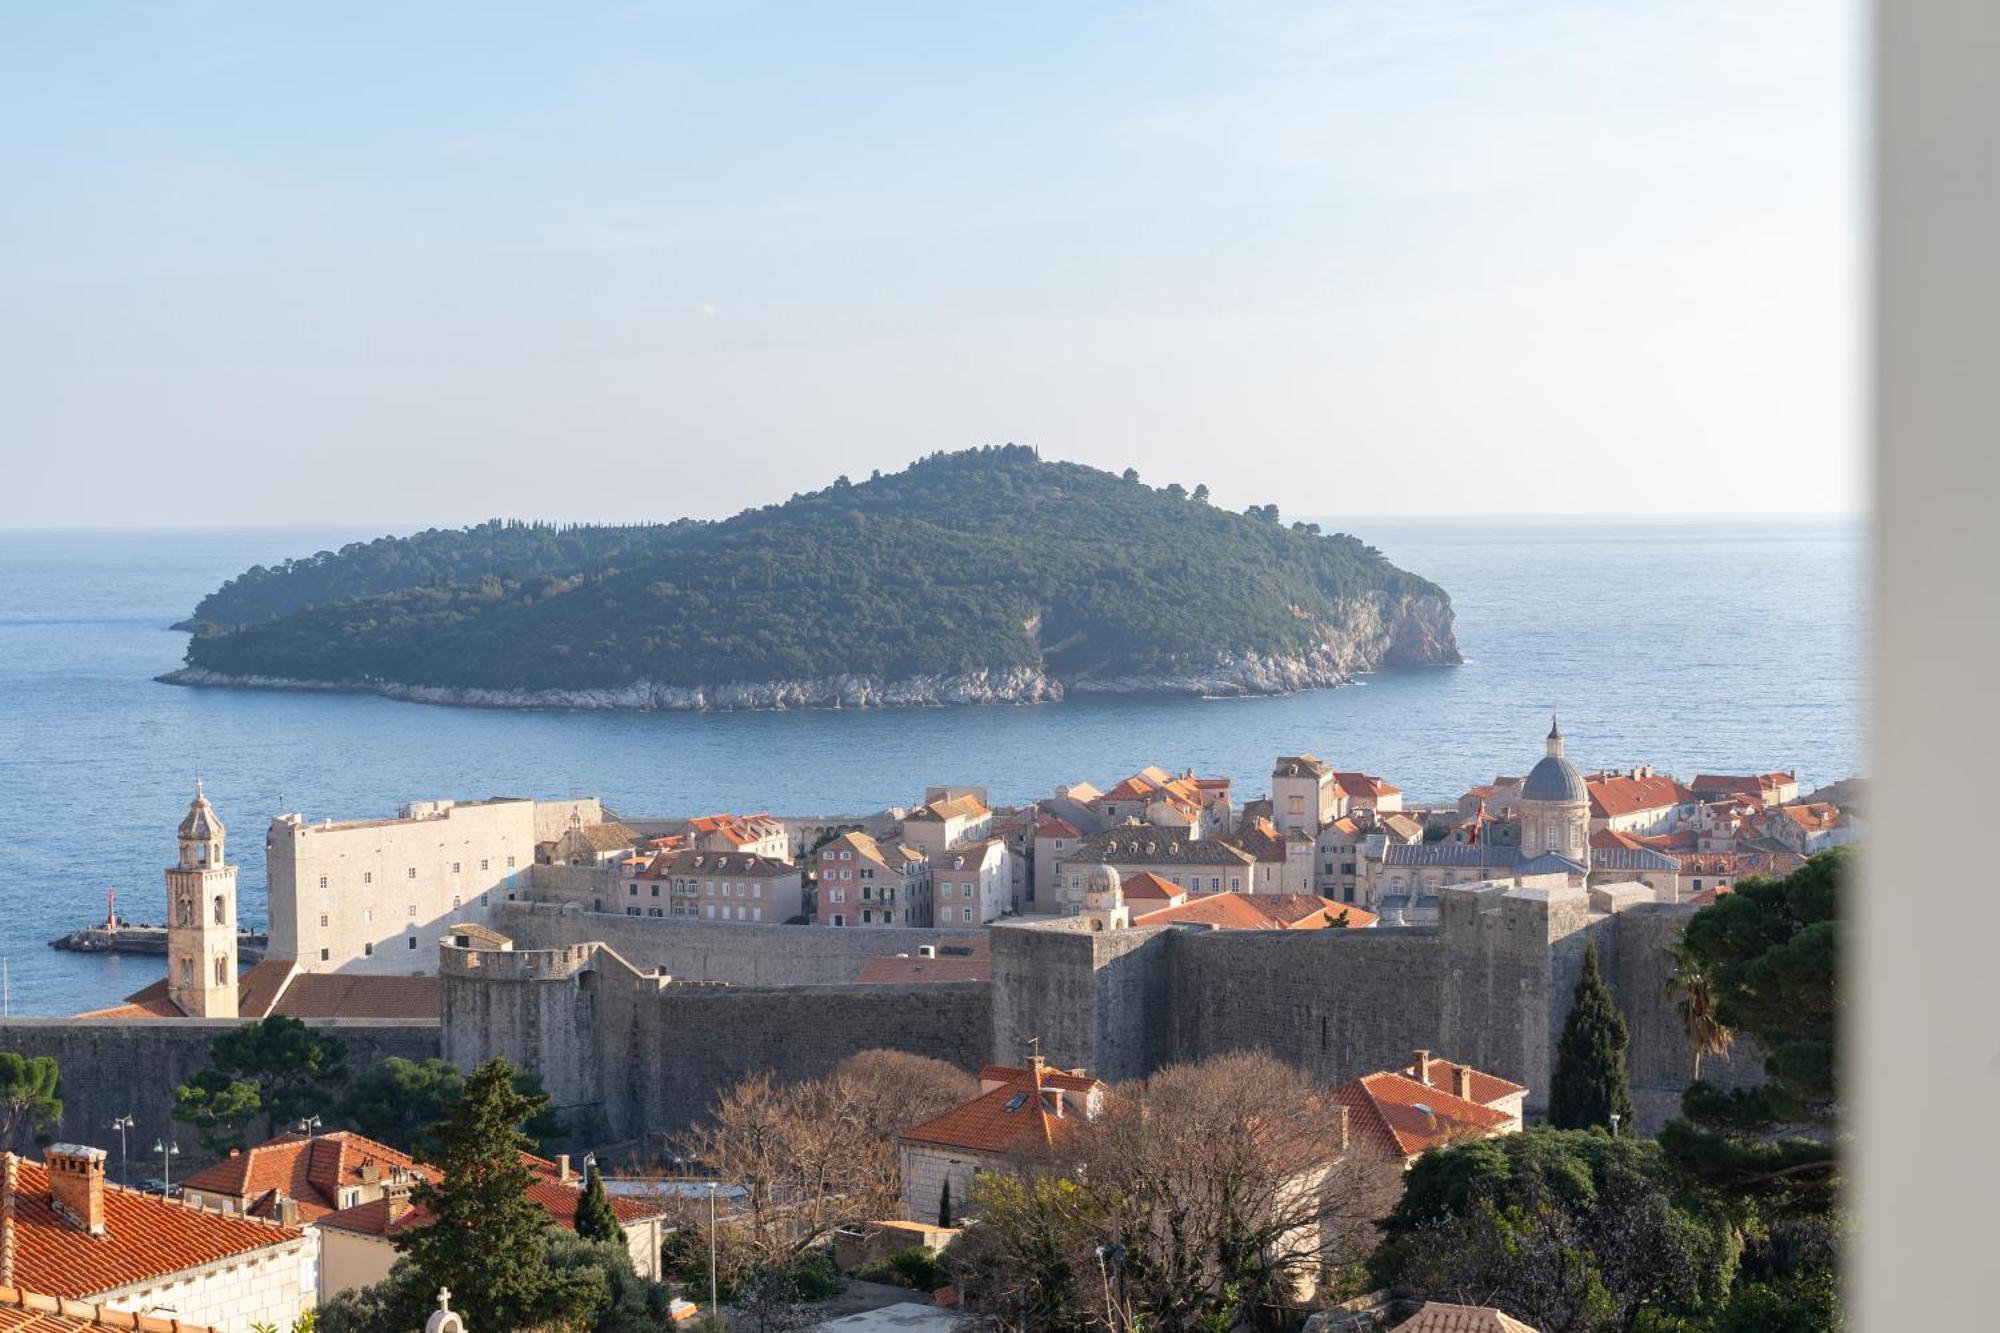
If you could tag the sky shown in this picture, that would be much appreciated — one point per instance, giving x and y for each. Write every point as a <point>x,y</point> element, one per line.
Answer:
<point>427,264</point>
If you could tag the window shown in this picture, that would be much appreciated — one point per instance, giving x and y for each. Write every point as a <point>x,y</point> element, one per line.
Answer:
<point>367,877</point>
<point>757,914</point>
<point>632,890</point>
<point>221,970</point>
<point>510,863</point>
<point>413,872</point>
<point>711,911</point>
<point>187,971</point>
<point>412,939</point>
<point>839,920</point>
<point>368,950</point>
<point>454,867</point>
<point>367,916</point>
<point>322,881</point>
<point>1295,805</point>
<point>454,900</point>
<point>323,956</point>
<point>965,913</point>
<point>322,920</point>
<point>221,911</point>
<point>482,863</point>
<point>656,890</point>
<point>413,909</point>
<point>867,917</point>
<point>631,911</point>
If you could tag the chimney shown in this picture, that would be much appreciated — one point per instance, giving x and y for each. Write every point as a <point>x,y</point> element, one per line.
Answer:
<point>9,1180</point>
<point>76,1185</point>
<point>563,1173</point>
<point>288,1211</point>
<point>1424,1068</point>
<point>927,951</point>
<point>397,1200</point>
<point>1461,1083</point>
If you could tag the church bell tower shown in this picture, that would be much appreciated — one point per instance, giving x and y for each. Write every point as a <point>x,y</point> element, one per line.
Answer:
<point>201,918</point>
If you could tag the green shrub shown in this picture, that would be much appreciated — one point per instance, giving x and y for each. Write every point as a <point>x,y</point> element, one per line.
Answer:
<point>916,1267</point>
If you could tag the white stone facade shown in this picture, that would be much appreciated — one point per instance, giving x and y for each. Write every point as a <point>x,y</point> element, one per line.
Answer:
<point>271,1285</point>
<point>372,896</point>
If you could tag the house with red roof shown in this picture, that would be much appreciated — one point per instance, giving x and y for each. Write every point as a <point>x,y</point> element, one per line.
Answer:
<point>1431,1103</point>
<point>357,1244</point>
<point>68,1235</point>
<point>1021,1113</point>
<point>1257,911</point>
<point>1640,802</point>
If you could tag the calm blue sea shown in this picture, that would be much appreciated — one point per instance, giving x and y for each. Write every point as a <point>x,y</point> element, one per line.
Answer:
<point>1687,645</point>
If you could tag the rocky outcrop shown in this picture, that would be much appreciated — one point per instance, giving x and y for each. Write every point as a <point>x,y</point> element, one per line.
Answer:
<point>1377,630</point>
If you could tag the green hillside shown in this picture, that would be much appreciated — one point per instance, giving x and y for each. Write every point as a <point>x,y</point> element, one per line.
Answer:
<point>986,559</point>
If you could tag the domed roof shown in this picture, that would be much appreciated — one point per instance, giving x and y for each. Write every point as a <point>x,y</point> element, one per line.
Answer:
<point>1555,778</point>
<point>201,822</point>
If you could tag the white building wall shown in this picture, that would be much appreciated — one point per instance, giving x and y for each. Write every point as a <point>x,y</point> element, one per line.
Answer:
<point>271,1285</point>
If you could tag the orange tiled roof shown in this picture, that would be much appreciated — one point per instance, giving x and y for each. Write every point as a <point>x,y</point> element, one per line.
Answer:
<point>558,1200</point>
<point>1437,1317</point>
<point>1402,1117</point>
<point>1258,911</point>
<point>1145,886</point>
<point>1818,818</point>
<point>1131,789</point>
<point>38,1312</point>
<point>1054,826</point>
<point>1365,784</point>
<point>901,970</point>
<point>311,1171</point>
<point>1014,1117</point>
<point>1486,1088</point>
<point>1612,796</point>
<point>145,1237</point>
<point>276,986</point>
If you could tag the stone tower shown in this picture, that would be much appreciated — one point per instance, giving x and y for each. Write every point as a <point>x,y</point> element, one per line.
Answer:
<point>1104,899</point>
<point>1555,806</point>
<point>201,918</point>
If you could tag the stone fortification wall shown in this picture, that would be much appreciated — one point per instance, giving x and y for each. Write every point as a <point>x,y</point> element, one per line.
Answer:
<point>738,952</point>
<point>623,1051</point>
<point>111,1067</point>
<point>1659,1060</point>
<point>1335,1003</point>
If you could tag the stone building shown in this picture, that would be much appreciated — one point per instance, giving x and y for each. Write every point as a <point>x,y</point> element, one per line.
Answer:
<point>714,886</point>
<point>972,884</point>
<point>201,917</point>
<point>1021,1113</point>
<point>66,1232</point>
<point>370,895</point>
<point>1555,807</point>
<point>1201,865</point>
<point>864,883</point>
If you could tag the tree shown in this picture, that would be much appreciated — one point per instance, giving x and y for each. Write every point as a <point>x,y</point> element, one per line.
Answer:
<point>817,1154</point>
<point>30,1097</point>
<point>1568,1230</point>
<point>488,1239</point>
<point>1030,1261</point>
<point>396,1102</point>
<point>944,1204</point>
<point>595,1219</point>
<point>277,1067</point>
<point>1201,493</point>
<point>1590,1084</point>
<point>1130,474</point>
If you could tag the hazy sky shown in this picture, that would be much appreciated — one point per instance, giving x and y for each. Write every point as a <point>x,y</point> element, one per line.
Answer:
<point>429,263</point>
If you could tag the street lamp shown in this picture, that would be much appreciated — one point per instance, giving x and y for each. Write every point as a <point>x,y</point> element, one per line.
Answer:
<point>167,1151</point>
<point>714,1305</point>
<point>1614,1124</point>
<point>309,1126</point>
<point>121,1124</point>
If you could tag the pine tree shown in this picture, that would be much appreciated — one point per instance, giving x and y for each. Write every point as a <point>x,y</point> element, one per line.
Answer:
<point>595,1219</point>
<point>489,1241</point>
<point>944,1205</point>
<point>1590,1083</point>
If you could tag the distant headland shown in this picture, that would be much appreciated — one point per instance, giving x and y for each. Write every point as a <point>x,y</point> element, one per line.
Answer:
<point>983,576</point>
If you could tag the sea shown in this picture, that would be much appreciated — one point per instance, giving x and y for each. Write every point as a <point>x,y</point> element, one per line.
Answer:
<point>1691,645</point>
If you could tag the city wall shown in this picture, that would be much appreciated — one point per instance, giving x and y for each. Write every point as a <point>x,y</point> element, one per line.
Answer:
<point>624,1050</point>
<point>114,1067</point>
<point>740,953</point>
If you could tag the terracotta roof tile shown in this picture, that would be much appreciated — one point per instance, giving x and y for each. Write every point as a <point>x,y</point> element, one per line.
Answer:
<point>558,1200</point>
<point>1258,911</point>
<point>1145,886</point>
<point>1437,1317</point>
<point>1401,1116</point>
<point>145,1237</point>
<point>310,1171</point>
<point>1611,797</point>
<point>1486,1088</point>
<point>1012,1118</point>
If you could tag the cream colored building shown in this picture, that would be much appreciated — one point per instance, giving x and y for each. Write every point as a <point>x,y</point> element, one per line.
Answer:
<point>364,895</point>
<point>972,884</point>
<point>940,825</point>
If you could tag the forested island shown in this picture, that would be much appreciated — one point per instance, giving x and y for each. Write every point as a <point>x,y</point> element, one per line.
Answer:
<point>987,575</point>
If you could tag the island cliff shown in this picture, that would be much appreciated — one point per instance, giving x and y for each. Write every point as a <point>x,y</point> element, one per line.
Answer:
<point>987,576</point>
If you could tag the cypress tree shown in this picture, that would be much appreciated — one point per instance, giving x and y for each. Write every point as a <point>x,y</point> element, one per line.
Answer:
<point>944,1204</point>
<point>1590,1084</point>
<point>595,1219</point>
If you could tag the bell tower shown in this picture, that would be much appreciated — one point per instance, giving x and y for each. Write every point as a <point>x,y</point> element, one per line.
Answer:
<point>201,918</point>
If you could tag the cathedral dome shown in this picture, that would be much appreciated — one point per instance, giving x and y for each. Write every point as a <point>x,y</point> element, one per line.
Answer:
<point>1555,779</point>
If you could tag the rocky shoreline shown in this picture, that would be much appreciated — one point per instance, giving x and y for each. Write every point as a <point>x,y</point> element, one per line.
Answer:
<point>1405,632</point>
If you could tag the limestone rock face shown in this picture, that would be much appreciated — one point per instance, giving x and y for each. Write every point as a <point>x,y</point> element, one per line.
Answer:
<point>1374,631</point>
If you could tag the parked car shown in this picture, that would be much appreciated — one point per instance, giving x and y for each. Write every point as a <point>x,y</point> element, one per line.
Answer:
<point>159,1187</point>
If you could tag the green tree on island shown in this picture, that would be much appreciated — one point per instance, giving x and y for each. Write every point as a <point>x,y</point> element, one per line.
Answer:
<point>1590,1084</point>
<point>30,1098</point>
<point>277,1068</point>
<point>595,1218</point>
